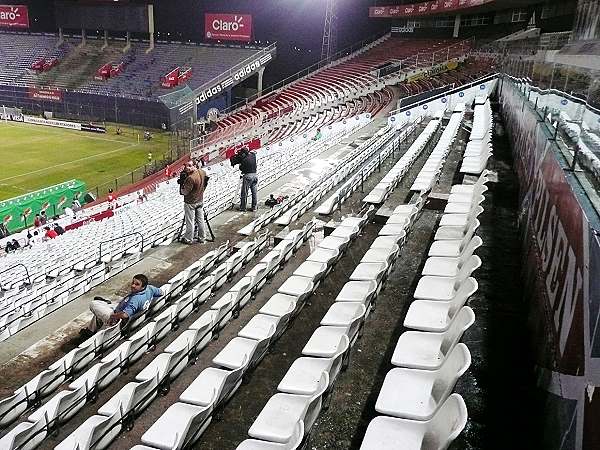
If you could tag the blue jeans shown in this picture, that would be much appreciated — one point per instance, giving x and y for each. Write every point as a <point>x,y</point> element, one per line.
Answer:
<point>249,181</point>
<point>194,221</point>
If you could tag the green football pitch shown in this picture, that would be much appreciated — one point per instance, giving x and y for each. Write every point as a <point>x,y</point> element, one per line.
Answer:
<point>34,156</point>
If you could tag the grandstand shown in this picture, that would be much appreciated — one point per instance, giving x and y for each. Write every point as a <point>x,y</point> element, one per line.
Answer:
<point>429,263</point>
<point>78,64</point>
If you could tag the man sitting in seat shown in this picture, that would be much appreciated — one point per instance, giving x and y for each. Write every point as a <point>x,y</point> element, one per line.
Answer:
<point>105,313</point>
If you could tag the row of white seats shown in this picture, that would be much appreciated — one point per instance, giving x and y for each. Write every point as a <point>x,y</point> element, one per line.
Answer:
<point>95,347</point>
<point>64,405</point>
<point>586,141</point>
<point>430,172</point>
<point>288,416</point>
<point>99,430</point>
<point>58,256</point>
<point>23,305</point>
<point>301,201</point>
<point>183,423</point>
<point>160,323</point>
<point>479,147</point>
<point>416,397</point>
<point>385,143</point>
<point>286,420</point>
<point>388,183</point>
<point>293,207</point>
<point>75,276</point>
<point>305,198</point>
<point>589,148</point>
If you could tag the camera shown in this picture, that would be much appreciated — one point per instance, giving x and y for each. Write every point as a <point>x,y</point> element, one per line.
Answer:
<point>239,156</point>
<point>182,177</point>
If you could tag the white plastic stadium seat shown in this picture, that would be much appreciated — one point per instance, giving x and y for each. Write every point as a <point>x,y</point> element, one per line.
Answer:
<point>416,393</point>
<point>424,350</point>
<point>385,433</point>
<point>277,420</point>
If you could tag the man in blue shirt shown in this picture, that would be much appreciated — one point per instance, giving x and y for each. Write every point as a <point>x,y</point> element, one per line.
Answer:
<point>139,299</point>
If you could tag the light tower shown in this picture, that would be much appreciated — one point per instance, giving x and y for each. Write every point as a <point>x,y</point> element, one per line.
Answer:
<point>329,46</point>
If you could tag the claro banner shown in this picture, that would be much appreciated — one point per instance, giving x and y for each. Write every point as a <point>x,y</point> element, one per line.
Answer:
<point>228,27</point>
<point>50,94</point>
<point>14,16</point>
<point>424,8</point>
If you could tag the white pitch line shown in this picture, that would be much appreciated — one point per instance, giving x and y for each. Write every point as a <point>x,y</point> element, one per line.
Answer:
<point>68,162</point>
<point>14,187</point>
<point>55,131</point>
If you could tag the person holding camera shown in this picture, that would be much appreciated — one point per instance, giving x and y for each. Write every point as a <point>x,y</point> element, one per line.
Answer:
<point>247,161</point>
<point>192,182</point>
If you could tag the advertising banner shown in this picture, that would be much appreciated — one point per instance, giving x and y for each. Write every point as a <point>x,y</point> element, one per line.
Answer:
<point>52,123</point>
<point>14,16</point>
<point>54,199</point>
<point>50,63</point>
<point>228,27</point>
<point>38,64</point>
<point>424,8</point>
<point>185,75</point>
<point>93,128</point>
<point>171,79</point>
<point>103,72</point>
<point>253,144</point>
<point>436,70</point>
<point>241,74</point>
<point>49,94</point>
<point>561,260</point>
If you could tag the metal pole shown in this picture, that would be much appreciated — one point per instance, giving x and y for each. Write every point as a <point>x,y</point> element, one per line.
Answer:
<point>552,75</point>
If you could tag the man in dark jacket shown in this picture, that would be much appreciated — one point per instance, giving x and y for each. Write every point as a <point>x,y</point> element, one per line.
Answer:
<point>192,189</point>
<point>247,161</point>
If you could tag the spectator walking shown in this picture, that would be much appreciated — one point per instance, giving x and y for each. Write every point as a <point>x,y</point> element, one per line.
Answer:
<point>139,298</point>
<point>37,222</point>
<point>192,182</point>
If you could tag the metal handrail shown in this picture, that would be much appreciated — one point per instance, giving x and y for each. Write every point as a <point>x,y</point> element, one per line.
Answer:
<point>134,233</point>
<point>17,265</point>
<point>164,385</point>
<point>444,94</point>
